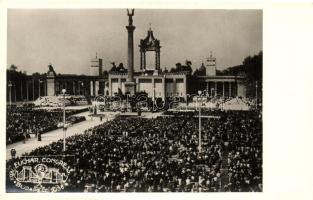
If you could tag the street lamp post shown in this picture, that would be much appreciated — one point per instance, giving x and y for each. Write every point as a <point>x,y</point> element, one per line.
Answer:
<point>33,89</point>
<point>127,101</point>
<point>27,95</point>
<point>256,94</point>
<point>200,92</point>
<point>14,87</point>
<point>40,81</point>
<point>83,89</point>
<point>212,89</point>
<point>197,103</point>
<point>64,128</point>
<point>10,92</point>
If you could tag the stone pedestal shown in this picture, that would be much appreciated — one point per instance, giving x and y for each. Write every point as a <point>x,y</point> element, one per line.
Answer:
<point>50,82</point>
<point>91,89</point>
<point>50,86</point>
<point>97,86</point>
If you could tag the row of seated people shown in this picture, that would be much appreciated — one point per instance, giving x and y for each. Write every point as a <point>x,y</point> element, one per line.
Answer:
<point>22,120</point>
<point>148,155</point>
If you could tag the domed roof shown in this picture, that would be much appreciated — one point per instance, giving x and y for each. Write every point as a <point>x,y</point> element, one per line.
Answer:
<point>202,67</point>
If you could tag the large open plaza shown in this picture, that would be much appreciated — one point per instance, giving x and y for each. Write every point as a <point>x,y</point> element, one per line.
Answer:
<point>155,152</point>
<point>154,124</point>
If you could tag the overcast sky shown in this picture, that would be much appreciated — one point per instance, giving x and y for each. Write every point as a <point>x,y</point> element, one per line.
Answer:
<point>69,39</point>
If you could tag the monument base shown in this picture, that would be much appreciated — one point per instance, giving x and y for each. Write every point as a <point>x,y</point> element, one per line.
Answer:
<point>130,88</point>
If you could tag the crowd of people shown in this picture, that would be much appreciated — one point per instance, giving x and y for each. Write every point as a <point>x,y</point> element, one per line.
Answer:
<point>163,155</point>
<point>245,153</point>
<point>224,103</point>
<point>60,100</point>
<point>22,121</point>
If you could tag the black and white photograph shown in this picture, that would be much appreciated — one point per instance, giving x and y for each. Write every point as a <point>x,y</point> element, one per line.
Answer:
<point>134,100</point>
<point>156,99</point>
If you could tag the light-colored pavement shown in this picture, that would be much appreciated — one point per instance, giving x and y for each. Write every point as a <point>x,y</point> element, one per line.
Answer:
<point>57,134</point>
<point>150,114</point>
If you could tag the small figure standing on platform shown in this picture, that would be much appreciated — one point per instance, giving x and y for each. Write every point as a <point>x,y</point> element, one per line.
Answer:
<point>24,137</point>
<point>130,16</point>
<point>13,153</point>
<point>139,112</point>
<point>39,136</point>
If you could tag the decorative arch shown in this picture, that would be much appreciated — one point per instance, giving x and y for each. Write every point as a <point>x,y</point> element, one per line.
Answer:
<point>150,43</point>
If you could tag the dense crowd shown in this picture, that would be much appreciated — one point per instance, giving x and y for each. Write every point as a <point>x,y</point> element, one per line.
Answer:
<point>162,155</point>
<point>224,103</point>
<point>22,121</point>
<point>60,100</point>
<point>245,153</point>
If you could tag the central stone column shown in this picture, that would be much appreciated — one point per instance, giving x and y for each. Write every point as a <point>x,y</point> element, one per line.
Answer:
<point>130,85</point>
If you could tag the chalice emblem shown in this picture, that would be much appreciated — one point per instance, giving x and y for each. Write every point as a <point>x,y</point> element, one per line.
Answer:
<point>41,171</point>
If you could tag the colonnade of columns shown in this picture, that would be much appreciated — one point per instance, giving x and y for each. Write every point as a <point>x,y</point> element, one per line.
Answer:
<point>33,89</point>
<point>154,81</point>
<point>85,87</point>
<point>221,88</point>
<point>26,90</point>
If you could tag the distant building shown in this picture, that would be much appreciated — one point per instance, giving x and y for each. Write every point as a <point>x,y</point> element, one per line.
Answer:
<point>96,67</point>
<point>160,84</point>
<point>88,85</point>
<point>211,66</point>
<point>150,78</point>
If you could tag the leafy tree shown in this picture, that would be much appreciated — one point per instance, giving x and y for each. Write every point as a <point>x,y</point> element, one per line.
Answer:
<point>182,68</point>
<point>253,67</point>
<point>13,67</point>
<point>201,71</point>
